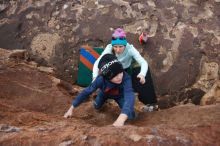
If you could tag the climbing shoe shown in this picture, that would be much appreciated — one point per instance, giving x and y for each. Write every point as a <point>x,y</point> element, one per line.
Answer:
<point>150,108</point>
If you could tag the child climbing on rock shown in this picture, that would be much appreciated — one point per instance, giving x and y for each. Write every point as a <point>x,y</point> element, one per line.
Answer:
<point>114,83</point>
<point>140,73</point>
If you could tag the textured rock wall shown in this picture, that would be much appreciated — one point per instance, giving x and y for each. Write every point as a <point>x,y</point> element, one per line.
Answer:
<point>183,49</point>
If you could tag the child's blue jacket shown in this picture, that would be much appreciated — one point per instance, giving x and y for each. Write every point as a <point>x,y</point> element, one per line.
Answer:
<point>112,91</point>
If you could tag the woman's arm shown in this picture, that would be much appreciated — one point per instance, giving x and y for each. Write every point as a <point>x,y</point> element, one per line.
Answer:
<point>107,50</point>
<point>140,60</point>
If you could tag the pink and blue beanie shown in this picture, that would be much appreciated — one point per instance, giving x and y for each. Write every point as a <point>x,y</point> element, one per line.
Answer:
<point>119,37</point>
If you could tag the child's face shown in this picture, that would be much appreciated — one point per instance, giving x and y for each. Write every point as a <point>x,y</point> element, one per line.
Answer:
<point>118,49</point>
<point>117,79</point>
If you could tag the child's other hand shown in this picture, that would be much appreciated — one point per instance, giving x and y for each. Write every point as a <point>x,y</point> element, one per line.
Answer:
<point>118,123</point>
<point>142,78</point>
<point>120,120</point>
<point>69,113</point>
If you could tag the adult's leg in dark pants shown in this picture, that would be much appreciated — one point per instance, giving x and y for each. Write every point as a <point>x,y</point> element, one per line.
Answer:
<point>146,91</point>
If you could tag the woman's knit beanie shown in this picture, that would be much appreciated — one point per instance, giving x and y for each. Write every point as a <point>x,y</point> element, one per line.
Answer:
<point>119,37</point>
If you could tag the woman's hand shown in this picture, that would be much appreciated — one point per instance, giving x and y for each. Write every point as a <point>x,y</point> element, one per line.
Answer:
<point>142,78</point>
<point>69,113</point>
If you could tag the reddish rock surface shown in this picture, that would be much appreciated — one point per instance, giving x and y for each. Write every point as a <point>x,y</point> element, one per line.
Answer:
<point>32,105</point>
<point>37,76</point>
<point>183,35</point>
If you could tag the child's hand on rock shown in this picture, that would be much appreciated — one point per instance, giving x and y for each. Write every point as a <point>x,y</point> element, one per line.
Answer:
<point>120,120</point>
<point>69,113</point>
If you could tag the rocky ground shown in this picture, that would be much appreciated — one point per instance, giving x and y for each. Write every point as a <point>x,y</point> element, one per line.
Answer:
<point>183,36</point>
<point>39,64</point>
<point>33,101</point>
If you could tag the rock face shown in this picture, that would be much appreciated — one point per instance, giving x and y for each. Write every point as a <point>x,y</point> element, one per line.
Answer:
<point>182,48</point>
<point>33,102</point>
